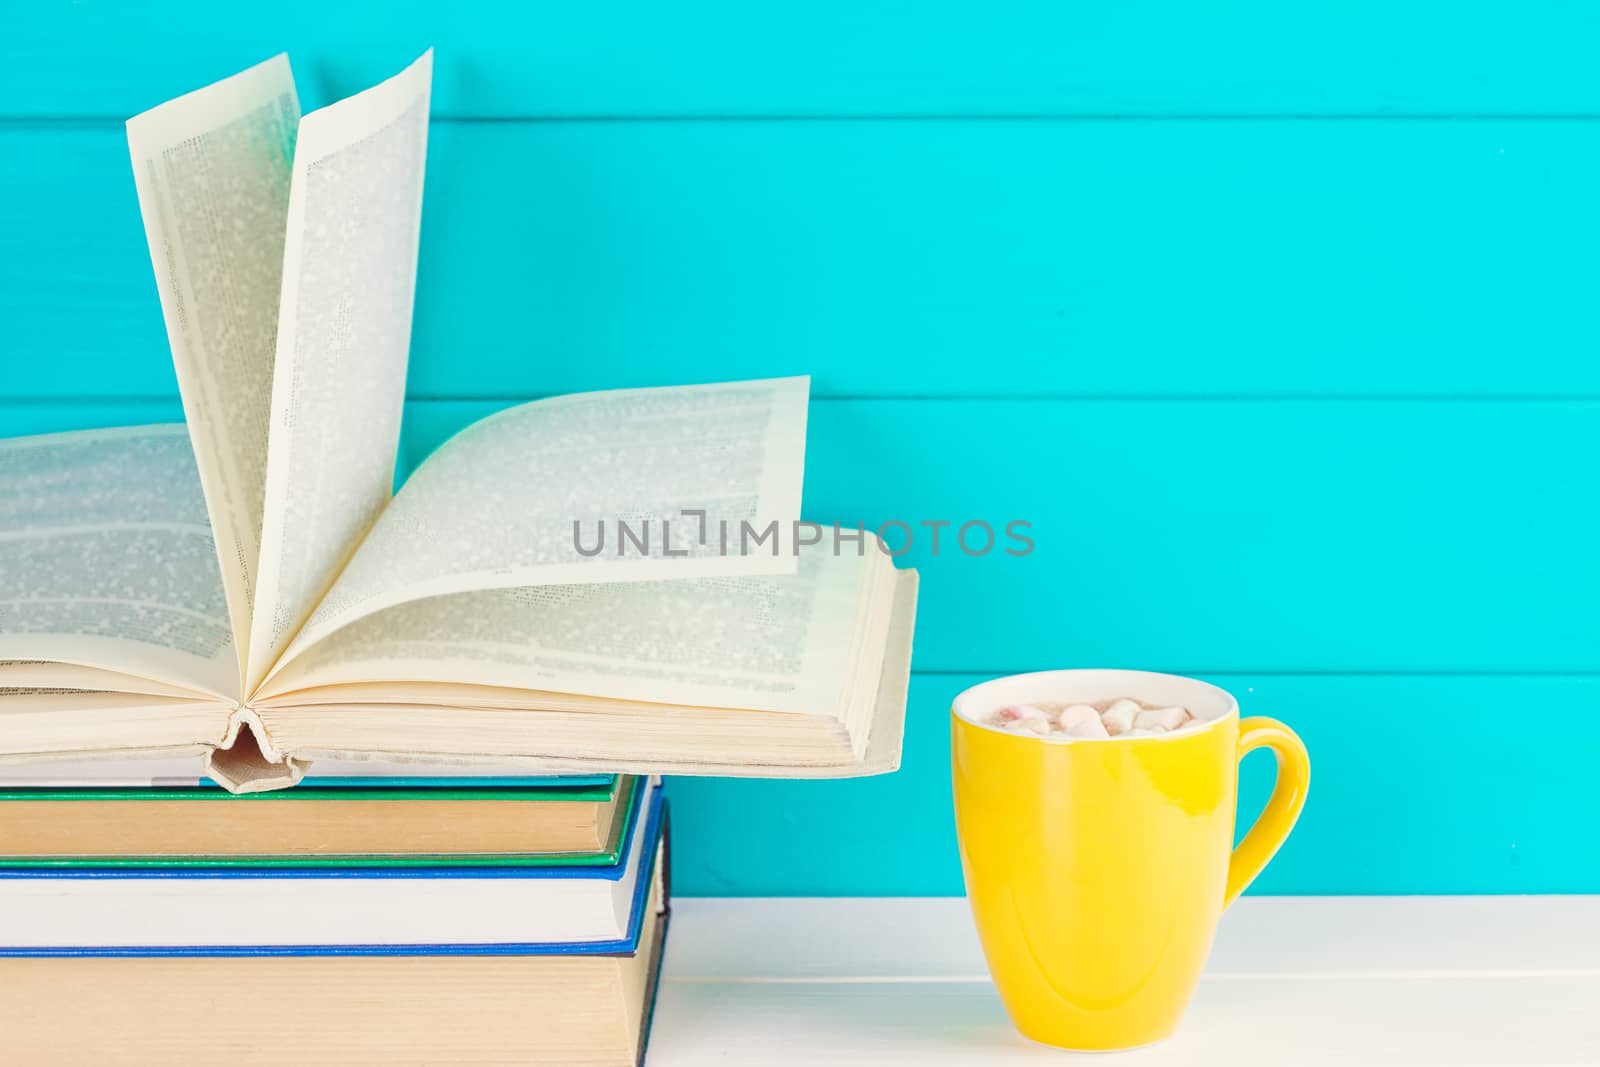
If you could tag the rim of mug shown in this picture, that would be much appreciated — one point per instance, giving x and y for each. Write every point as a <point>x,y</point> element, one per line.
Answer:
<point>979,700</point>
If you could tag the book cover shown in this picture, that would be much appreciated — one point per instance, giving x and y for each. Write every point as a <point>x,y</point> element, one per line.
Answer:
<point>455,910</point>
<point>471,804</point>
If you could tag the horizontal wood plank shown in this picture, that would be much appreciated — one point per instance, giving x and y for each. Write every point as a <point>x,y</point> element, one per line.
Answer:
<point>1407,982</point>
<point>1262,1022</point>
<point>1237,535</point>
<point>1419,784</point>
<point>496,58</point>
<point>1379,536</point>
<point>933,938</point>
<point>909,259</point>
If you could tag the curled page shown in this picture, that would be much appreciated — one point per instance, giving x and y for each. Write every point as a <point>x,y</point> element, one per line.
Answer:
<point>107,559</point>
<point>349,273</point>
<point>212,171</point>
<point>773,643</point>
<point>42,674</point>
<point>694,481</point>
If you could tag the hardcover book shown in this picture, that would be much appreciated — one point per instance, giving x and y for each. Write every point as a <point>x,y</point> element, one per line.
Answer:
<point>601,582</point>
<point>318,826</point>
<point>249,911</point>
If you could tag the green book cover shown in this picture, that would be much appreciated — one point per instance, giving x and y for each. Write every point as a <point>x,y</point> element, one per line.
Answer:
<point>628,800</point>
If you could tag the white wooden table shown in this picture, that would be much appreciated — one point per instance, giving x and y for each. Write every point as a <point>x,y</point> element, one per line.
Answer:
<point>1293,982</point>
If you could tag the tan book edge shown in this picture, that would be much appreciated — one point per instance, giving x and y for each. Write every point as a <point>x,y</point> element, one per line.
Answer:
<point>341,825</point>
<point>567,1010</point>
<point>607,736</point>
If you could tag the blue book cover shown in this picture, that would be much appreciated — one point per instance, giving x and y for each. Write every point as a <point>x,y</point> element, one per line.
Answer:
<point>444,910</point>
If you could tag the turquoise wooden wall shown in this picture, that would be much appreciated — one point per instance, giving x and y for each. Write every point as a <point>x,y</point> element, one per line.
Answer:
<point>1276,321</point>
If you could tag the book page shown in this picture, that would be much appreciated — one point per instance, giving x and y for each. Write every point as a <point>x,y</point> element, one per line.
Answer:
<point>777,643</point>
<point>43,674</point>
<point>212,172</point>
<point>107,557</point>
<point>521,498</point>
<point>349,273</point>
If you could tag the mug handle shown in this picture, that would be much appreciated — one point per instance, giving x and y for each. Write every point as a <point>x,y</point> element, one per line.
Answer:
<point>1283,807</point>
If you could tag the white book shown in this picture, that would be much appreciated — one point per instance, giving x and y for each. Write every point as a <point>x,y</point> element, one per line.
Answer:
<point>316,911</point>
<point>248,588</point>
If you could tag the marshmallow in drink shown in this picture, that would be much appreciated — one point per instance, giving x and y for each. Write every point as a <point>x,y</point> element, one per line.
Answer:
<point>1081,720</point>
<point>1160,718</point>
<point>1040,725</point>
<point>1119,717</point>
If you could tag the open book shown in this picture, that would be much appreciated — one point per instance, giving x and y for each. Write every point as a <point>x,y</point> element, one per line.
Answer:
<point>609,581</point>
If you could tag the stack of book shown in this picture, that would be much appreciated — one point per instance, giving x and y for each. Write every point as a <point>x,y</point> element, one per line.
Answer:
<point>352,919</point>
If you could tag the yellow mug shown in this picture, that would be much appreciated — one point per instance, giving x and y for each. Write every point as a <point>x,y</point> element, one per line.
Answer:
<point>1097,869</point>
